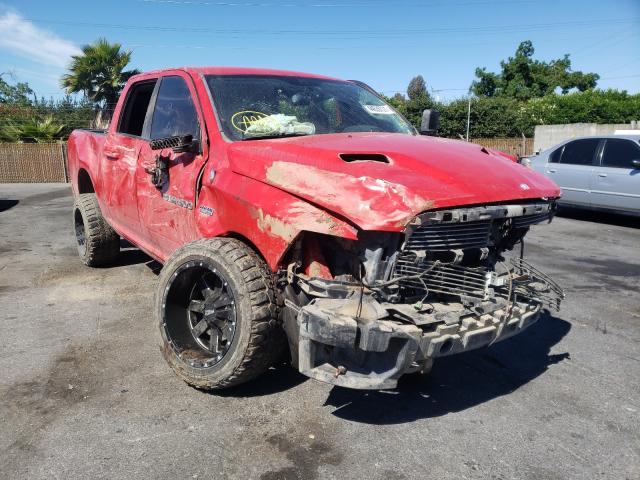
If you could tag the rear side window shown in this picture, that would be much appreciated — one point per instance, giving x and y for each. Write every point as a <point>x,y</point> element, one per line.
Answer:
<point>619,153</point>
<point>580,152</point>
<point>135,108</point>
<point>174,113</point>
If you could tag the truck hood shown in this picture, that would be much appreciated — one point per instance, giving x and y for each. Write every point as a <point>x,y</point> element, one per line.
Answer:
<point>380,181</point>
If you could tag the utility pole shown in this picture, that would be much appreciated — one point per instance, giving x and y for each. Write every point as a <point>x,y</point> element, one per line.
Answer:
<point>468,118</point>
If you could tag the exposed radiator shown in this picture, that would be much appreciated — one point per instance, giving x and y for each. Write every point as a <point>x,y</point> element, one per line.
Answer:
<point>464,229</point>
<point>443,278</point>
<point>450,235</point>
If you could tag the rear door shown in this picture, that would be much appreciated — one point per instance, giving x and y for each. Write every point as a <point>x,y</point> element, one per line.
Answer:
<point>121,149</point>
<point>167,212</point>
<point>616,181</point>
<point>571,166</point>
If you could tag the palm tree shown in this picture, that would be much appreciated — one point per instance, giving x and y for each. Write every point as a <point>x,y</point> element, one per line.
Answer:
<point>99,73</point>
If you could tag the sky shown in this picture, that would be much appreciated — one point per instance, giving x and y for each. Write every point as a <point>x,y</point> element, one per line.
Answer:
<point>381,42</point>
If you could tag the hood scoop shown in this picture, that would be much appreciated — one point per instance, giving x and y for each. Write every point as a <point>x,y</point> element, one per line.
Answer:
<point>364,157</point>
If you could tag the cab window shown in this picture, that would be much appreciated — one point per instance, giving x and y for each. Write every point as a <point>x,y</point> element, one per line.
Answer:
<point>135,108</point>
<point>174,113</point>
<point>619,153</point>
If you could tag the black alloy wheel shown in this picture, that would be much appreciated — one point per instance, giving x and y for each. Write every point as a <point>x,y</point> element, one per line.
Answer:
<point>200,319</point>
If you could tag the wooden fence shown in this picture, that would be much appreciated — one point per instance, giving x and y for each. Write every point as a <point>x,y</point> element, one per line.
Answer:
<point>45,162</point>
<point>513,146</point>
<point>32,162</point>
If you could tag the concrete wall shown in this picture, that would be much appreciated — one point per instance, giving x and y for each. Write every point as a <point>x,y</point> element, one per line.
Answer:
<point>546,136</point>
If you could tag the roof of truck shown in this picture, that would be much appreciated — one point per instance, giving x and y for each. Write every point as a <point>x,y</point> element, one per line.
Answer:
<point>240,71</point>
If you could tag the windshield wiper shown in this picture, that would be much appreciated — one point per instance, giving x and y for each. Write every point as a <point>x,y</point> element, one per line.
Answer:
<point>276,135</point>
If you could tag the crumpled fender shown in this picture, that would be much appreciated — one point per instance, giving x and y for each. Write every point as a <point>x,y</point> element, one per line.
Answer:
<point>372,203</point>
<point>268,217</point>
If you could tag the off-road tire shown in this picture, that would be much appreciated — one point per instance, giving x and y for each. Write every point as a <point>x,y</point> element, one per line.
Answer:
<point>101,242</point>
<point>258,340</point>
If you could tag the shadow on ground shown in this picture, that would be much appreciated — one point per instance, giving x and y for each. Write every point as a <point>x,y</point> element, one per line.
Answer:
<point>130,255</point>
<point>8,204</point>
<point>458,382</point>
<point>277,379</point>
<point>600,217</point>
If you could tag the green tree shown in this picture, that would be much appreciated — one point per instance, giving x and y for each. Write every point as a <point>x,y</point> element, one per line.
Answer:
<point>417,88</point>
<point>99,73</point>
<point>419,99</point>
<point>521,77</point>
<point>18,94</point>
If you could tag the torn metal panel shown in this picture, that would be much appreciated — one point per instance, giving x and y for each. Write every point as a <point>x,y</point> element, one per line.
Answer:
<point>269,217</point>
<point>349,337</point>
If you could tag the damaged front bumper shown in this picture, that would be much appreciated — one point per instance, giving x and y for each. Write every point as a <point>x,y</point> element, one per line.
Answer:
<point>348,338</point>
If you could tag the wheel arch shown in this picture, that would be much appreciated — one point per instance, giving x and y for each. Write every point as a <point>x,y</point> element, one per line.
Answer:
<point>84,183</point>
<point>241,238</point>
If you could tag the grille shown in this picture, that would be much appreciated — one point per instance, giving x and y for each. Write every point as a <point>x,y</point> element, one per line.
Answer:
<point>448,236</point>
<point>529,220</point>
<point>531,283</point>
<point>447,279</point>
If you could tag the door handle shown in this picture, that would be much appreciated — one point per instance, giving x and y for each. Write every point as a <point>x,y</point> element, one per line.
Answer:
<point>551,170</point>
<point>602,175</point>
<point>112,154</point>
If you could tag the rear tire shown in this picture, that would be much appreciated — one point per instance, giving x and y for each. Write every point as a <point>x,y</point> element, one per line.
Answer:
<point>98,243</point>
<point>217,313</point>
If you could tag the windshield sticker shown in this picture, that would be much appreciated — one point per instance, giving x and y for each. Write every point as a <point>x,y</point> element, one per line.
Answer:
<point>379,109</point>
<point>244,119</point>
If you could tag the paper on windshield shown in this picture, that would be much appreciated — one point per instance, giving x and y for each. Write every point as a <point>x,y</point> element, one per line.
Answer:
<point>279,124</point>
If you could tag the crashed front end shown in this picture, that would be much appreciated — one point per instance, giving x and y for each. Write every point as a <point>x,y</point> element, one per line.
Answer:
<point>361,314</point>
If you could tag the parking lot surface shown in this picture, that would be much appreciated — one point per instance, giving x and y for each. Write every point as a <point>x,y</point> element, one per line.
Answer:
<point>84,392</point>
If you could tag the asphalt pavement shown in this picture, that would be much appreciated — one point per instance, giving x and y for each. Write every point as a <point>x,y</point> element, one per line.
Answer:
<point>84,392</point>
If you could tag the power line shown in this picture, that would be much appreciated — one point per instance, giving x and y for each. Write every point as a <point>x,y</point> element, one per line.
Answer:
<point>320,4</point>
<point>385,45</point>
<point>493,29</point>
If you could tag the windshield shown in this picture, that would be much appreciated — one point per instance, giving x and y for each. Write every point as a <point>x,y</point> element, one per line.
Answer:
<point>261,106</point>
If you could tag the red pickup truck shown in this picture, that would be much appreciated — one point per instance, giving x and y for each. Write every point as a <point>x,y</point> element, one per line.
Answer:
<point>293,206</point>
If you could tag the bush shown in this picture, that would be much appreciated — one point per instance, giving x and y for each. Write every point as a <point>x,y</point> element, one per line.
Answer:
<point>507,117</point>
<point>34,130</point>
<point>37,120</point>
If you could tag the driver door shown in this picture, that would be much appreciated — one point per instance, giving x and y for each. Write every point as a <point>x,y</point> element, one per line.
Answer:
<point>166,212</point>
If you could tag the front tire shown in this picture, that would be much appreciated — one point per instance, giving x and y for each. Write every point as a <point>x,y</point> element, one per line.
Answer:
<point>216,310</point>
<point>98,243</point>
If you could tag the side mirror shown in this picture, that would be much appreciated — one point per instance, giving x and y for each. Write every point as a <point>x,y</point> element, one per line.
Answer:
<point>179,144</point>
<point>635,164</point>
<point>430,122</point>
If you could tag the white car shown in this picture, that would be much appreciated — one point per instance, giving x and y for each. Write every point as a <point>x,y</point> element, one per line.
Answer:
<point>600,173</point>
